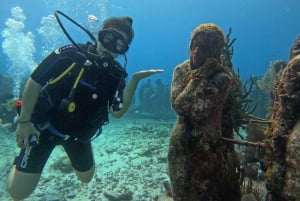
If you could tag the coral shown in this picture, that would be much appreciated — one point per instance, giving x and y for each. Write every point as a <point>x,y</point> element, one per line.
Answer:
<point>228,50</point>
<point>237,105</point>
<point>261,99</point>
<point>272,76</point>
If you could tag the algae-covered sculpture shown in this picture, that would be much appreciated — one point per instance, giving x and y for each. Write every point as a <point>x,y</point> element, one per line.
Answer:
<point>283,158</point>
<point>201,165</point>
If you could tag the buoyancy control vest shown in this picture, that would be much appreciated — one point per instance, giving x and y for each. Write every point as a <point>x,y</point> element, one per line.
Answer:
<point>76,95</point>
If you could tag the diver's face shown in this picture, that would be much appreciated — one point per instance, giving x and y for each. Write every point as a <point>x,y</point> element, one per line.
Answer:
<point>101,50</point>
<point>113,40</point>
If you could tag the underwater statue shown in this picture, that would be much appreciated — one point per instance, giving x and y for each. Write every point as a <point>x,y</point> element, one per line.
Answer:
<point>202,166</point>
<point>283,155</point>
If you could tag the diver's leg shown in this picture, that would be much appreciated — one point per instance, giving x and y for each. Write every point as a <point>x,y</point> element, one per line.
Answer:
<point>82,159</point>
<point>86,176</point>
<point>27,168</point>
<point>21,184</point>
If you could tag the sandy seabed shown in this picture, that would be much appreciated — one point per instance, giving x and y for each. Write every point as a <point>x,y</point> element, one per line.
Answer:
<point>130,157</point>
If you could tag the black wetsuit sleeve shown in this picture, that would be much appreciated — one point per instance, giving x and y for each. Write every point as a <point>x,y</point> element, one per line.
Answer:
<point>122,86</point>
<point>120,90</point>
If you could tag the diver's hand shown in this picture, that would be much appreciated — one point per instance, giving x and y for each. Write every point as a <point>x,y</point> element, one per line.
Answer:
<point>24,132</point>
<point>146,73</point>
<point>129,90</point>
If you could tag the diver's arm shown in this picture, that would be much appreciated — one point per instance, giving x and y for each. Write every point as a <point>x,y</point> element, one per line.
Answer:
<point>130,90</point>
<point>25,128</point>
<point>29,99</point>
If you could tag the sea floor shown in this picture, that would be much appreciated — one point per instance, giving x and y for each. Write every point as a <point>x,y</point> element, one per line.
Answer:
<point>130,157</point>
<point>131,165</point>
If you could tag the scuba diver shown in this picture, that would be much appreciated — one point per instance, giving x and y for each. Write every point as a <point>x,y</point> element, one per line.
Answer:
<point>67,100</point>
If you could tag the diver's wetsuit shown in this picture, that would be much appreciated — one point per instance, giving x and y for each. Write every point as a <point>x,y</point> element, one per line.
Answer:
<point>93,97</point>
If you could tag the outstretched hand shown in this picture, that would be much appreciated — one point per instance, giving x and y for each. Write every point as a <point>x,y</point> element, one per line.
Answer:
<point>130,88</point>
<point>146,73</point>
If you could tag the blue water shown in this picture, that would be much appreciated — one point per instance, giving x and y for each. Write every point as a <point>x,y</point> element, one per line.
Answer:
<point>264,30</point>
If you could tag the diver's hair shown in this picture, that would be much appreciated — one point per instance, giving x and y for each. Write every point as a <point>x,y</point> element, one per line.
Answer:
<point>208,37</point>
<point>123,24</point>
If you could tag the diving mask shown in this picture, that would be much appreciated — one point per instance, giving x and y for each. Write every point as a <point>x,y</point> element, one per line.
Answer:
<point>113,41</point>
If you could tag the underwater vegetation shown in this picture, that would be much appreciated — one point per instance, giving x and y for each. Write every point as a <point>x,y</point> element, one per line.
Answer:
<point>277,137</point>
<point>272,76</point>
<point>267,83</point>
<point>281,138</point>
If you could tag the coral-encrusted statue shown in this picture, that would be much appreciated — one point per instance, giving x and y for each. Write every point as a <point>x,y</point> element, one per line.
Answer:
<point>283,159</point>
<point>201,166</point>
